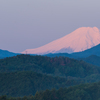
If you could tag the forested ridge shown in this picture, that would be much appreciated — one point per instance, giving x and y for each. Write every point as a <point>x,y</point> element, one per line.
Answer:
<point>79,92</point>
<point>93,59</point>
<point>28,83</point>
<point>58,66</point>
<point>24,75</point>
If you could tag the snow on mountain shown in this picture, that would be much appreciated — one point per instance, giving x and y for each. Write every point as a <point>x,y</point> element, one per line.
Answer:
<point>79,40</point>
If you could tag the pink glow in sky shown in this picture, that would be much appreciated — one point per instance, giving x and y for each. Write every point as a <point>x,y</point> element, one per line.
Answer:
<point>30,24</point>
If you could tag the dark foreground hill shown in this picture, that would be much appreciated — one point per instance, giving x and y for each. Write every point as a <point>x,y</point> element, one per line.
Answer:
<point>28,83</point>
<point>80,92</point>
<point>24,74</point>
<point>18,84</point>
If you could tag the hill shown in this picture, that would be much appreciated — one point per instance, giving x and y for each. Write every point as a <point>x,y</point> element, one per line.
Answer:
<point>5,53</point>
<point>25,74</point>
<point>60,54</point>
<point>93,59</point>
<point>28,83</point>
<point>92,51</point>
<point>80,92</point>
<point>57,66</point>
<point>25,83</point>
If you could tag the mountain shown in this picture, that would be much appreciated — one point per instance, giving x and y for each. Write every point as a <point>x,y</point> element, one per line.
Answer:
<point>93,59</point>
<point>59,55</point>
<point>81,39</point>
<point>79,92</point>
<point>84,54</point>
<point>92,51</point>
<point>28,83</point>
<point>57,66</point>
<point>5,53</point>
<point>89,91</point>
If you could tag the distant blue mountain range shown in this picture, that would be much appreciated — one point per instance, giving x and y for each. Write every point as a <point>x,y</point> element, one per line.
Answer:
<point>92,51</point>
<point>93,59</point>
<point>5,53</point>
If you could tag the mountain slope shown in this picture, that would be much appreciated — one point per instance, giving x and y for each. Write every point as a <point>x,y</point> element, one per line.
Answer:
<point>79,40</point>
<point>5,53</point>
<point>60,55</point>
<point>58,66</point>
<point>18,84</point>
<point>28,83</point>
<point>92,51</point>
<point>24,74</point>
<point>93,59</point>
<point>80,92</point>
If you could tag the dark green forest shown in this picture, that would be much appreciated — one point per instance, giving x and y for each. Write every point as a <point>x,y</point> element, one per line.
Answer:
<point>57,66</point>
<point>79,92</point>
<point>93,59</point>
<point>24,76</point>
<point>28,83</point>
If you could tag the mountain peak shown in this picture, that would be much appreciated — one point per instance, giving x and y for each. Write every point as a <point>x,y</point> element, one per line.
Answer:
<point>86,30</point>
<point>79,40</point>
<point>96,29</point>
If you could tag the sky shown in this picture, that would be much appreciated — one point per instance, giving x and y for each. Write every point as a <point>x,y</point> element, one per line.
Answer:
<point>28,24</point>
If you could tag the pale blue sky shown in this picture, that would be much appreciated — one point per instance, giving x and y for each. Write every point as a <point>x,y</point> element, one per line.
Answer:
<point>27,24</point>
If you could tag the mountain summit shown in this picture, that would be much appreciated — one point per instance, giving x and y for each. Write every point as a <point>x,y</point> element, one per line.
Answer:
<point>79,40</point>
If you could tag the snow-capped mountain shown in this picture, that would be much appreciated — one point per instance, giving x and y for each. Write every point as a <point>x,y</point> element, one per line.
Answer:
<point>79,40</point>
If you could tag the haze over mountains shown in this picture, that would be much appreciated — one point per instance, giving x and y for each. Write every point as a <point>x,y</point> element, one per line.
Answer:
<point>79,40</point>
